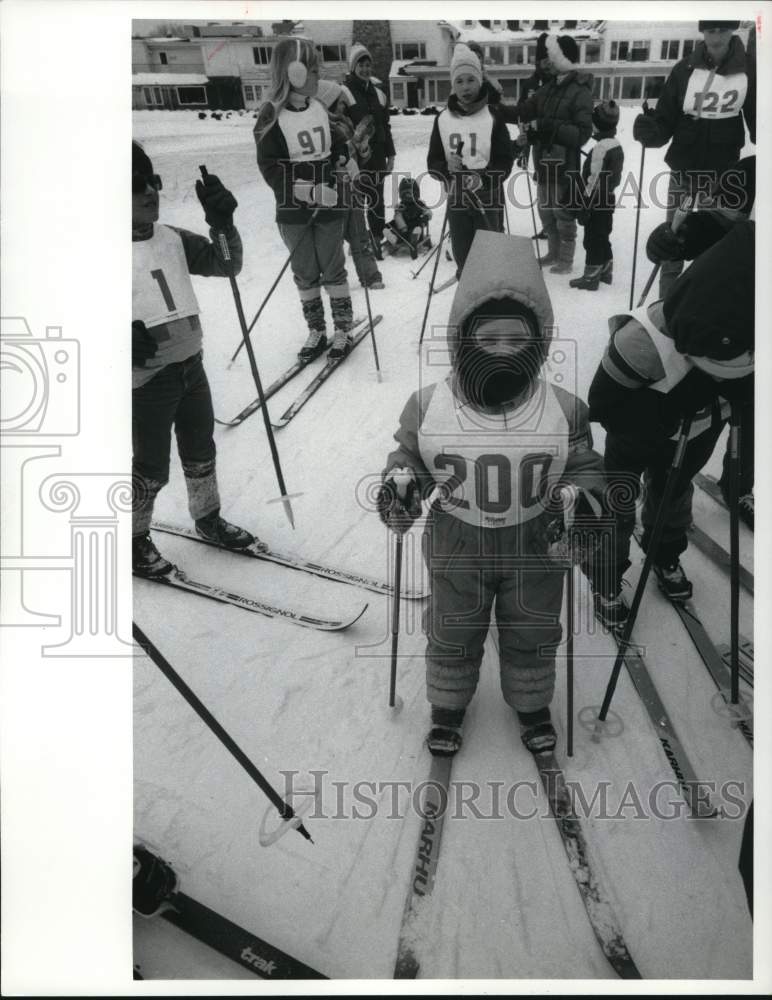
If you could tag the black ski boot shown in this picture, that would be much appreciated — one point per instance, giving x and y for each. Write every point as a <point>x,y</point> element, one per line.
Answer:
<point>610,611</point>
<point>216,529</point>
<point>673,582</point>
<point>607,274</point>
<point>146,560</point>
<point>316,344</point>
<point>590,280</point>
<point>537,732</point>
<point>445,739</point>
<point>153,884</point>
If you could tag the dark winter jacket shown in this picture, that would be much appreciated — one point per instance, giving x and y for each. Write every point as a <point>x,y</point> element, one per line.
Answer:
<point>622,397</point>
<point>364,98</point>
<point>602,172</point>
<point>704,143</point>
<point>562,110</point>
<point>280,173</point>
<point>499,167</point>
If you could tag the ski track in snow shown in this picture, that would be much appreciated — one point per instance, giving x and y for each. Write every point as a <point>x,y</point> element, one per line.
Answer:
<point>505,904</point>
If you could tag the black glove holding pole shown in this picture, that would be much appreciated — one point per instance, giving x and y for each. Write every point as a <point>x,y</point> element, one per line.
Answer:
<point>143,345</point>
<point>217,201</point>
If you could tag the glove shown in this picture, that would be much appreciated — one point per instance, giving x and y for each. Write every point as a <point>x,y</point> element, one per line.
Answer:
<point>143,345</point>
<point>698,232</point>
<point>472,182</point>
<point>522,158</point>
<point>455,163</point>
<point>217,201</point>
<point>324,196</point>
<point>399,500</point>
<point>646,130</point>
<point>575,533</point>
<point>664,244</point>
<point>153,883</point>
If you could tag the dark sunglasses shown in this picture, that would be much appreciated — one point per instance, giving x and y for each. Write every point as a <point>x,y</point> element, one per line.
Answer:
<point>139,182</point>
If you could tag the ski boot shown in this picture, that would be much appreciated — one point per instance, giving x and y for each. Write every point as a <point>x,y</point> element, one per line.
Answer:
<point>610,611</point>
<point>153,884</point>
<point>341,345</point>
<point>146,560</point>
<point>607,274</point>
<point>745,509</point>
<point>537,732</point>
<point>673,582</point>
<point>315,345</point>
<point>216,529</point>
<point>590,280</point>
<point>539,236</point>
<point>445,739</point>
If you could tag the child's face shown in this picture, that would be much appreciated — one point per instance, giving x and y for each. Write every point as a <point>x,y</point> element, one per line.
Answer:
<point>466,87</point>
<point>311,85</point>
<point>339,107</point>
<point>364,69</point>
<point>144,202</point>
<point>505,335</point>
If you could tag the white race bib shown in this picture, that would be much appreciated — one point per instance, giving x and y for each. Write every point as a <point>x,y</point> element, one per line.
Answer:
<point>494,468</point>
<point>307,132</point>
<point>161,289</point>
<point>474,131</point>
<point>724,97</point>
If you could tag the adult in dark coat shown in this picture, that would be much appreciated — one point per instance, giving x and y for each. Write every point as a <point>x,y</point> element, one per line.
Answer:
<point>700,112</point>
<point>562,110</point>
<point>364,98</point>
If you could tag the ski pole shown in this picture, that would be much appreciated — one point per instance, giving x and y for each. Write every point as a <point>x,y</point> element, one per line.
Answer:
<point>637,224</point>
<point>225,250</point>
<point>370,315</point>
<point>678,217</point>
<point>401,481</point>
<point>533,217</point>
<point>287,262</point>
<point>434,275</point>
<point>656,534</point>
<point>408,244</point>
<point>436,249</point>
<point>735,444</point>
<point>570,661</point>
<point>286,811</point>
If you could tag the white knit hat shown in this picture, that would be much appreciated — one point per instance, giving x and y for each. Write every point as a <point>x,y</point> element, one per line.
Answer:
<point>563,52</point>
<point>328,92</point>
<point>358,51</point>
<point>465,61</point>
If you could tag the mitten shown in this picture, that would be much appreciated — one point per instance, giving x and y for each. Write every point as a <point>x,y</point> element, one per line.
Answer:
<point>399,500</point>
<point>217,201</point>
<point>143,346</point>
<point>664,244</point>
<point>646,129</point>
<point>324,196</point>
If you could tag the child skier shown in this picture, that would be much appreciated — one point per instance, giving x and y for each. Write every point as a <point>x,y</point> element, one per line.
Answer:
<point>169,384</point>
<point>297,155</point>
<point>411,216</point>
<point>601,175</point>
<point>470,151</point>
<point>685,356</point>
<point>496,441</point>
<point>357,141</point>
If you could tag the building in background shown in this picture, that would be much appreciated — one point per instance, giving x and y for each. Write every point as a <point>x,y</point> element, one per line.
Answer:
<point>227,65</point>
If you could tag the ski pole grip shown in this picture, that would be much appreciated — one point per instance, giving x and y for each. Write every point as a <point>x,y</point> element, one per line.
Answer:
<point>402,478</point>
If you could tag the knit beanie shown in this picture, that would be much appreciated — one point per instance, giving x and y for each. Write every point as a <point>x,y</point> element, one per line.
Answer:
<point>328,92</point>
<point>563,52</point>
<point>605,116</point>
<point>718,25</point>
<point>465,61</point>
<point>140,161</point>
<point>541,46</point>
<point>358,51</point>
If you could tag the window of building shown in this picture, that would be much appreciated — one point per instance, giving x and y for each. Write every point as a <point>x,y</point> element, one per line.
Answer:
<point>191,95</point>
<point>616,84</point>
<point>410,50</point>
<point>261,54</point>
<point>333,53</point>
<point>398,91</point>
<point>164,60</point>
<point>495,54</point>
<point>253,93</point>
<point>591,51</point>
<point>669,50</point>
<point>619,50</point>
<point>441,91</point>
<point>632,87</point>
<point>541,26</point>
<point>688,47</point>
<point>596,84</point>
<point>653,86</point>
<point>569,25</point>
<point>469,24</point>
<point>152,95</point>
<point>249,93</point>
<point>513,25</point>
<point>529,55</point>
<point>640,51</point>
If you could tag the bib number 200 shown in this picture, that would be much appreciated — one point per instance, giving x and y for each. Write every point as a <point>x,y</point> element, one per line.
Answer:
<point>493,480</point>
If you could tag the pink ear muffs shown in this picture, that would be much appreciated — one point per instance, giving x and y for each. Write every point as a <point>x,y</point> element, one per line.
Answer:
<point>297,72</point>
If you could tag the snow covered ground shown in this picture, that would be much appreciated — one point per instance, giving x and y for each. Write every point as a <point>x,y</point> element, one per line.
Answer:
<point>505,904</point>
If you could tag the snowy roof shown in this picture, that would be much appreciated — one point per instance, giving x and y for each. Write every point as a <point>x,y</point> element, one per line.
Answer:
<point>482,35</point>
<point>168,79</point>
<point>398,65</point>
